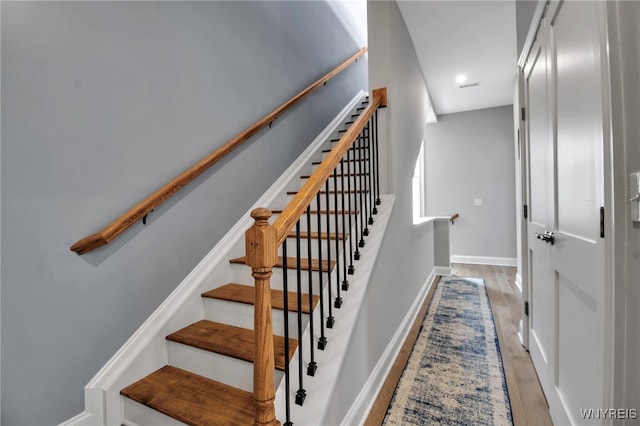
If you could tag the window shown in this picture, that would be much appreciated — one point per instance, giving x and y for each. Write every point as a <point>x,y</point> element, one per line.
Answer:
<point>418,187</point>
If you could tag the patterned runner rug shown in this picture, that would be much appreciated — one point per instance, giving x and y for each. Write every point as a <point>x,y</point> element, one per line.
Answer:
<point>454,375</point>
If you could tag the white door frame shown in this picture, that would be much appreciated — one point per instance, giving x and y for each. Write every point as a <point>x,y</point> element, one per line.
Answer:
<point>609,256</point>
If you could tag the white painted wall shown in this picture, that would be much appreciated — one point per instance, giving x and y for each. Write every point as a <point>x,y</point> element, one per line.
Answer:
<point>103,102</point>
<point>469,156</point>
<point>624,49</point>
<point>407,255</point>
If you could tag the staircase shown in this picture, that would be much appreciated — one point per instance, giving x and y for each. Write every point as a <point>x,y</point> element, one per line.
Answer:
<point>208,375</point>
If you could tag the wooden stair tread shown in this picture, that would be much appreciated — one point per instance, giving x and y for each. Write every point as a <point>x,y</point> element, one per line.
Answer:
<point>291,263</point>
<point>246,294</point>
<point>315,163</point>
<point>339,175</point>
<point>228,340</point>
<point>350,149</point>
<point>353,191</point>
<point>322,212</point>
<point>324,236</point>
<point>192,399</point>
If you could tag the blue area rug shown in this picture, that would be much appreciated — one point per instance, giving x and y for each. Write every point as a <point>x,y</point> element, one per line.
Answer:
<point>454,375</point>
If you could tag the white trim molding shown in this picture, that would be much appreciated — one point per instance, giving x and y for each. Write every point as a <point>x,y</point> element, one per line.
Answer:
<point>443,271</point>
<point>518,282</point>
<point>484,260</point>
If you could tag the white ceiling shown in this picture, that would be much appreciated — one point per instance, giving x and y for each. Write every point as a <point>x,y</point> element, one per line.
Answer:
<point>476,38</point>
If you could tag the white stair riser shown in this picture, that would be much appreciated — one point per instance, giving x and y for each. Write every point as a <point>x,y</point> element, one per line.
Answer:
<point>355,201</point>
<point>359,166</point>
<point>225,369</point>
<point>355,182</point>
<point>323,221</point>
<point>291,248</point>
<point>242,274</point>
<point>241,315</point>
<point>141,415</point>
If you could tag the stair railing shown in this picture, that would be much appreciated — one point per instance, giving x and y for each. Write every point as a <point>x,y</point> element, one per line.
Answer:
<point>358,148</point>
<point>146,206</point>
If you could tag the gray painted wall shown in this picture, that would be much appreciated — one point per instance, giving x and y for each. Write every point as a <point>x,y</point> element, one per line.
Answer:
<point>103,102</point>
<point>624,33</point>
<point>469,155</point>
<point>407,254</point>
<point>524,15</point>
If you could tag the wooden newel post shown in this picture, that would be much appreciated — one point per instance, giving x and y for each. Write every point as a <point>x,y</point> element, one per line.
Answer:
<point>262,254</point>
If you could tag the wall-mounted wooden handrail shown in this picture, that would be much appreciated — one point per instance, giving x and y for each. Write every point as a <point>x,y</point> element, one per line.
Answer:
<point>128,219</point>
<point>307,193</point>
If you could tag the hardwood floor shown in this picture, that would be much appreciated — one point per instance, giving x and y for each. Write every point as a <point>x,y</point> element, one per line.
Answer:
<point>528,404</point>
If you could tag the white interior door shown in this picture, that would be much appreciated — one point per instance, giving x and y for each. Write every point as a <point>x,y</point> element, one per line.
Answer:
<point>540,216</point>
<point>563,91</point>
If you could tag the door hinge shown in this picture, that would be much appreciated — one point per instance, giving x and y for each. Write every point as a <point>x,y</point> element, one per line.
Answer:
<point>601,222</point>
<point>525,211</point>
<point>523,114</point>
<point>526,308</point>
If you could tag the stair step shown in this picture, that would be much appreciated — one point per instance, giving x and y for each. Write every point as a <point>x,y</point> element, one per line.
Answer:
<point>228,340</point>
<point>291,263</point>
<point>338,175</point>
<point>314,235</point>
<point>315,163</point>
<point>322,212</point>
<point>353,191</point>
<point>192,399</point>
<point>351,149</point>
<point>246,294</point>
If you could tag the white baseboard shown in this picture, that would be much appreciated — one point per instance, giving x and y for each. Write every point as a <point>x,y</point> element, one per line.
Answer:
<point>362,405</point>
<point>518,282</point>
<point>82,419</point>
<point>484,260</point>
<point>443,271</point>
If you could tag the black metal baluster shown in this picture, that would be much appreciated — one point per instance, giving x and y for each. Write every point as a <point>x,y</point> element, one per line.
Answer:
<point>345,281</point>
<point>356,197</point>
<point>287,381</point>
<point>352,269</point>
<point>362,176</point>
<point>375,119</point>
<point>374,152</point>
<point>370,176</point>
<point>301,394</point>
<point>365,160</point>
<point>313,366</point>
<point>330,320</point>
<point>338,301</point>
<point>322,342</point>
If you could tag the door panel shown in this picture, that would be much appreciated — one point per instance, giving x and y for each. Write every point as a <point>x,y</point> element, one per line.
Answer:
<point>563,95</point>
<point>577,257</point>
<point>577,375</point>
<point>579,118</point>
<point>540,183</point>
<point>539,146</point>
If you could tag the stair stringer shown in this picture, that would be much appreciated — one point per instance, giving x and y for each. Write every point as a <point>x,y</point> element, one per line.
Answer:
<point>320,387</point>
<point>146,349</point>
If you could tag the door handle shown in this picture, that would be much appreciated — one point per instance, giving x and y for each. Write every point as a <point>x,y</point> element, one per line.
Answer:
<point>547,237</point>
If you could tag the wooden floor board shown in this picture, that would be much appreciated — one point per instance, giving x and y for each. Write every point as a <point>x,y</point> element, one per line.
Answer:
<point>528,404</point>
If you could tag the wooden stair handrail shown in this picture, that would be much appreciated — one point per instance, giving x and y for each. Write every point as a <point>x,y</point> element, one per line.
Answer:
<point>261,246</point>
<point>124,222</point>
<point>307,193</point>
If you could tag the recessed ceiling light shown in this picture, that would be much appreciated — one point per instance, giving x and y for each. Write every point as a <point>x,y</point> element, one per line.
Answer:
<point>461,78</point>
